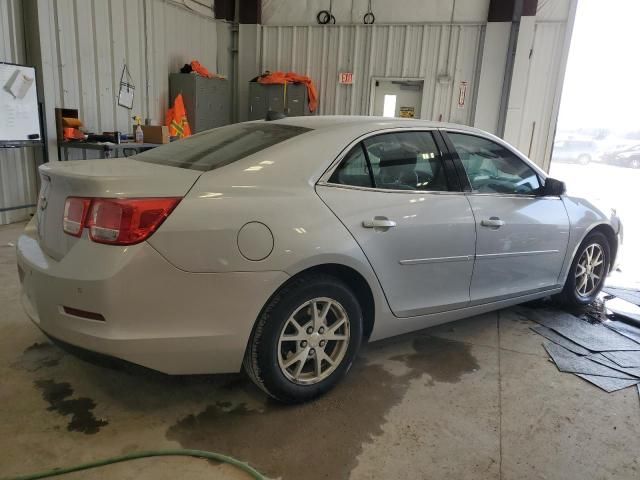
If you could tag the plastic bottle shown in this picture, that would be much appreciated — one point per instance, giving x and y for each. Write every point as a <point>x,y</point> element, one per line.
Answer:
<point>139,133</point>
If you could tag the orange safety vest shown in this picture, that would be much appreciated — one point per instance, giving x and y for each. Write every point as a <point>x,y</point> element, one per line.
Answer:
<point>177,119</point>
<point>197,67</point>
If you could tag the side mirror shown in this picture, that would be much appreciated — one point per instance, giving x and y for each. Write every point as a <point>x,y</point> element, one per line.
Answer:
<point>553,188</point>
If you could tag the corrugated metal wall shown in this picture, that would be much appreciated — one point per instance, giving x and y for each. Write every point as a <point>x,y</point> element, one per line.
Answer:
<point>91,40</point>
<point>408,51</point>
<point>17,166</point>
<point>535,132</point>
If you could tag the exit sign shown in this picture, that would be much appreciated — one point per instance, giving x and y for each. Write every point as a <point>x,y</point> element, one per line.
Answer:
<point>345,78</point>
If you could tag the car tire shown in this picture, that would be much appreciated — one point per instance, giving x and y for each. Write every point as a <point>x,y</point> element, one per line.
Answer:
<point>584,159</point>
<point>289,314</point>
<point>575,292</point>
<point>634,163</point>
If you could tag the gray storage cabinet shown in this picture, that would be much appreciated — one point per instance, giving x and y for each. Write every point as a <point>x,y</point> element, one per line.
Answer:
<point>207,100</point>
<point>272,97</point>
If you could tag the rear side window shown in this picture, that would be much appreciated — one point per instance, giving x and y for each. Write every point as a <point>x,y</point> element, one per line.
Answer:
<point>406,161</point>
<point>221,146</point>
<point>353,170</point>
<point>394,161</point>
<point>492,168</point>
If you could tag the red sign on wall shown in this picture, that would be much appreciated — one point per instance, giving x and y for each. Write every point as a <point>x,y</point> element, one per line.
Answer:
<point>345,78</point>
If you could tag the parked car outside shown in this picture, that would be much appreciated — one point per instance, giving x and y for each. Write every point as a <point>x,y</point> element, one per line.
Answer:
<point>279,246</point>
<point>626,157</point>
<point>575,150</point>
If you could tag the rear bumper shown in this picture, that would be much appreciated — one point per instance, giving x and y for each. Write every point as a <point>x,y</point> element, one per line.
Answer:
<point>155,315</point>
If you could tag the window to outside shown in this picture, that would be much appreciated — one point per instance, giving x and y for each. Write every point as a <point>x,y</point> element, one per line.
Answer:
<point>492,168</point>
<point>598,108</point>
<point>221,146</point>
<point>389,108</point>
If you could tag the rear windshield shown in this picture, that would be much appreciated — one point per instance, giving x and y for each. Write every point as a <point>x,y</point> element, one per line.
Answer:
<point>221,146</point>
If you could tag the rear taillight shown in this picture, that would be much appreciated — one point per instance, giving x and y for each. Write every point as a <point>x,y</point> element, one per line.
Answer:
<point>75,213</point>
<point>118,221</point>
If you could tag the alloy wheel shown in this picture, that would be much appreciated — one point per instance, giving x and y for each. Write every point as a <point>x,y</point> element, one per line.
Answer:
<point>590,270</point>
<point>313,341</point>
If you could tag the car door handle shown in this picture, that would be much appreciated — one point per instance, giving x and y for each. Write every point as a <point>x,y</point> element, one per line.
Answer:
<point>379,222</point>
<point>493,222</point>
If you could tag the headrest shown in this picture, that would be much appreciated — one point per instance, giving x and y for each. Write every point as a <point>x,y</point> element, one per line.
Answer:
<point>398,157</point>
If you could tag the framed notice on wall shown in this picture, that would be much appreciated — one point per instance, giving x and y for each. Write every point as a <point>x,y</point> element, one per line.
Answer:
<point>19,116</point>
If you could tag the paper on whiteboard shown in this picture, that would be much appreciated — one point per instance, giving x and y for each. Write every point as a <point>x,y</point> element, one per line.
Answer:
<point>18,103</point>
<point>19,84</point>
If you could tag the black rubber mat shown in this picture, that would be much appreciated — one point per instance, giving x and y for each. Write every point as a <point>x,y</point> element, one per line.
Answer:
<point>632,296</point>
<point>559,339</point>
<point>609,384</point>
<point>567,361</point>
<point>626,329</point>
<point>624,359</point>
<point>602,360</point>
<point>592,336</point>
<point>628,310</point>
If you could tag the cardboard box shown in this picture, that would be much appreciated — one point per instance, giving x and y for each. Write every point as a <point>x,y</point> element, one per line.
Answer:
<point>154,134</point>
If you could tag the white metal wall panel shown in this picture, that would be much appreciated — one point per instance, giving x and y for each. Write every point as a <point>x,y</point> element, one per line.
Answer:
<point>92,40</point>
<point>175,37</point>
<point>534,129</point>
<point>407,51</point>
<point>303,12</point>
<point>553,10</point>
<point>17,166</point>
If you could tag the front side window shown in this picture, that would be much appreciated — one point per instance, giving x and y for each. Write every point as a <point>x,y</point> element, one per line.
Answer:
<point>492,168</point>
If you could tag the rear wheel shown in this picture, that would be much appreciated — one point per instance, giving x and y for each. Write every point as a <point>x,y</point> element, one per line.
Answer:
<point>588,271</point>
<point>305,339</point>
<point>634,163</point>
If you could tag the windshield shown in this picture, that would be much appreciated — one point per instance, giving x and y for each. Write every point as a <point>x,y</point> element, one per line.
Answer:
<point>221,146</point>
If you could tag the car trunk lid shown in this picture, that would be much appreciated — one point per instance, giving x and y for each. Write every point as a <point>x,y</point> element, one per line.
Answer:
<point>112,178</point>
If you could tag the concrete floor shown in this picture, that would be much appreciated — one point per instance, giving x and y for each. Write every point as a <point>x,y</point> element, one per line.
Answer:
<point>475,399</point>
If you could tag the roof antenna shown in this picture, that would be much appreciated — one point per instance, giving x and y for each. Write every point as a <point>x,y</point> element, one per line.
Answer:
<point>273,115</point>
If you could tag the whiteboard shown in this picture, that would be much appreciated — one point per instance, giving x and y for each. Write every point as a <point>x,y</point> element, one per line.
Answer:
<point>18,104</point>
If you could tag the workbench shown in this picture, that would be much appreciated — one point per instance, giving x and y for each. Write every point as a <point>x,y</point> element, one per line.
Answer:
<point>106,149</point>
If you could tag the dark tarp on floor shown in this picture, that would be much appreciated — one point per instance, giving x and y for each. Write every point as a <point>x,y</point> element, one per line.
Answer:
<point>624,358</point>
<point>632,296</point>
<point>592,336</point>
<point>559,339</point>
<point>567,361</point>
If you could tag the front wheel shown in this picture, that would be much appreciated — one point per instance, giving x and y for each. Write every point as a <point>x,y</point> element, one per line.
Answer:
<point>634,163</point>
<point>305,339</point>
<point>588,271</point>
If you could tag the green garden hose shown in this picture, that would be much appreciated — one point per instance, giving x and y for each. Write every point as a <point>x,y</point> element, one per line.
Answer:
<point>150,453</point>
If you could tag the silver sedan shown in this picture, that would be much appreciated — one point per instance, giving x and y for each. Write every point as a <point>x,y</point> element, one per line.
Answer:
<point>280,246</point>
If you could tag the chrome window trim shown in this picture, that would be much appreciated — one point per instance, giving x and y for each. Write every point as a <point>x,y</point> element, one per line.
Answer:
<point>324,178</point>
<point>523,196</point>
<point>388,190</point>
